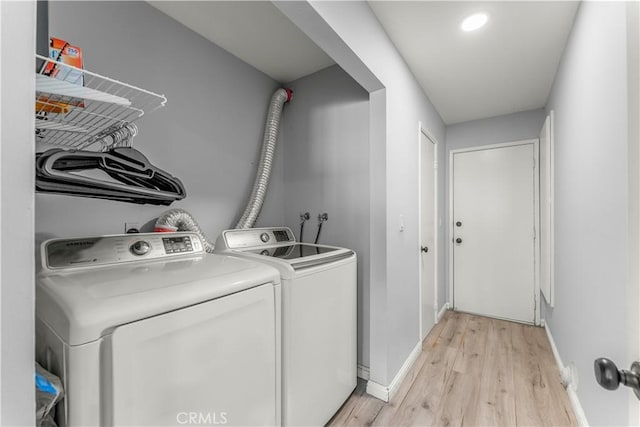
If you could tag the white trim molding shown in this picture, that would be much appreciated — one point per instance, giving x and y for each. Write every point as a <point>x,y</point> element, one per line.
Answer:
<point>386,393</point>
<point>363,372</point>
<point>568,378</point>
<point>442,311</point>
<point>378,391</point>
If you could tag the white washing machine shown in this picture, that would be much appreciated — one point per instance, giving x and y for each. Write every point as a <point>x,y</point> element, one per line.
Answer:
<point>319,315</point>
<point>148,329</point>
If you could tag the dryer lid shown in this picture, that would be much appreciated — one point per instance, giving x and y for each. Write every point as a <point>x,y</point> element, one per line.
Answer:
<point>83,305</point>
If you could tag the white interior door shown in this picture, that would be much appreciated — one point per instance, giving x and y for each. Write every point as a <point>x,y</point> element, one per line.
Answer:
<point>493,232</point>
<point>427,233</point>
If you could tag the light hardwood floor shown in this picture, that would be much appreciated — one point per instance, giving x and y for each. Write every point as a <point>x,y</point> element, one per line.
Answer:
<point>473,371</point>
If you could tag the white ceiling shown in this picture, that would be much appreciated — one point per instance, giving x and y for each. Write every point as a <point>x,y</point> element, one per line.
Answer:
<point>505,67</point>
<point>254,31</point>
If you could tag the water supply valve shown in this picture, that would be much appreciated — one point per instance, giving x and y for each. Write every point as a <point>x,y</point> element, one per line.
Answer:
<point>321,219</point>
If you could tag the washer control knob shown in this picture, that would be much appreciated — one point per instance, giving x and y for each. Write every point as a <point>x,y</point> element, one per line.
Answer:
<point>140,248</point>
<point>264,237</point>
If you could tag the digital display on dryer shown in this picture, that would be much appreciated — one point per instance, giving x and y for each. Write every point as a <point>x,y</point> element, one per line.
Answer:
<point>174,245</point>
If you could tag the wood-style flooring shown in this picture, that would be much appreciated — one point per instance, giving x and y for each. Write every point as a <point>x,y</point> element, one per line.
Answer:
<point>473,371</point>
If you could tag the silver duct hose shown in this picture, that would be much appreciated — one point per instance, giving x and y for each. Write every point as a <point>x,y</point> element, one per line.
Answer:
<point>254,206</point>
<point>183,221</point>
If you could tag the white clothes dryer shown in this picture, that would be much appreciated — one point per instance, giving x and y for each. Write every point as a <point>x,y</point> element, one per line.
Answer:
<point>319,319</point>
<point>149,330</point>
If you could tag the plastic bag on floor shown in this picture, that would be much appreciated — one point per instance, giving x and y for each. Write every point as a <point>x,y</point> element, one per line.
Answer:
<point>48,393</point>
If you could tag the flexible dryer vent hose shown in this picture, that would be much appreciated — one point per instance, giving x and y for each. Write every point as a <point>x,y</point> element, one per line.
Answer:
<point>254,206</point>
<point>183,221</point>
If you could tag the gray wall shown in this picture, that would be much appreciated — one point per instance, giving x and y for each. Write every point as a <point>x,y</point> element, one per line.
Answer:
<point>396,320</point>
<point>208,135</point>
<point>326,153</point>
<point>494,130</point>
<point>351,34</point>
<point>589,97</point>
<point>17,149</point>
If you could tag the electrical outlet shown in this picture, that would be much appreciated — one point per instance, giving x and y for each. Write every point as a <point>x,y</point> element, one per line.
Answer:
<point>131,227</point>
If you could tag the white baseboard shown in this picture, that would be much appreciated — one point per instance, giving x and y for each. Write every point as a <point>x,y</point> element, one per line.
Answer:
<point>565,371</point>
<point>378,391</point>
<point>567,375</point>
<point>363,372</point>
<point>386,393</point>
<point>443,310</point>
<point>577,407</point>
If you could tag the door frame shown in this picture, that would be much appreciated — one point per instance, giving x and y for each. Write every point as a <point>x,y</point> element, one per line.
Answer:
<point>633,205</point>
<point>549,251</point>
<point>536,217</point>
<point>423,131</point>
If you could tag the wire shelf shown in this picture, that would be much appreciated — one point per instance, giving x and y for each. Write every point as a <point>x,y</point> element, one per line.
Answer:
<point>78,109</point>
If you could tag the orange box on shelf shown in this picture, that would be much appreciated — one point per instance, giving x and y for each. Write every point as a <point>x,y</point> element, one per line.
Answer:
<point>61,51</point>
<point>47,106</point>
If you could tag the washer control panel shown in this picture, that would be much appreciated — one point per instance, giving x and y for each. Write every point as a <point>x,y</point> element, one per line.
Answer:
<point>252,237</point>
<point>106,250</point>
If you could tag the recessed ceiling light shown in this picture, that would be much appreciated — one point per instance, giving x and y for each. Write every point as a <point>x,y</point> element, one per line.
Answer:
<point>473,22</point>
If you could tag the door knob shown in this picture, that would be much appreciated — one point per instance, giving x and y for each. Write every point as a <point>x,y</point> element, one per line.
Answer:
<point>610,377</point>
<point>424,249</point>
<point>458,240</point>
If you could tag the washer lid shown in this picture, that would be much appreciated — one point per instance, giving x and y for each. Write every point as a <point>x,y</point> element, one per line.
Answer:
<point>294,251</point>
<point>83,305</point>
